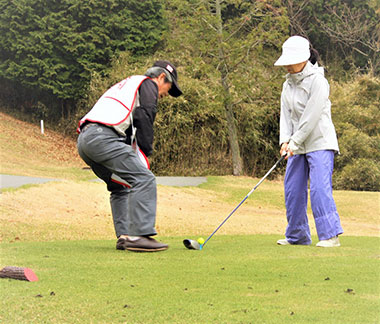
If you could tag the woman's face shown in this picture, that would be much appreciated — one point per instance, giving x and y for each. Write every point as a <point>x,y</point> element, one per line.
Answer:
<point>295,68</point>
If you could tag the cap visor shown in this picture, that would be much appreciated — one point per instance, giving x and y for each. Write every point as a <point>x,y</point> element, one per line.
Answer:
<point>175,91</point>
<point>283,60</point>
<point>294,59</point>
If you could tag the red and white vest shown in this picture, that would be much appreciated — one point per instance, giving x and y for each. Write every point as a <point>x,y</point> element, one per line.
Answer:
<point>114,108</point>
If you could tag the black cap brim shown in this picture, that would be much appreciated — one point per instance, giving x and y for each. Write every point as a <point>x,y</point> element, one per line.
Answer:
<point>175,91</point>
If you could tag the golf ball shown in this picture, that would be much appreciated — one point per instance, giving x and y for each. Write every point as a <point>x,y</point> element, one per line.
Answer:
<point>201,240</point>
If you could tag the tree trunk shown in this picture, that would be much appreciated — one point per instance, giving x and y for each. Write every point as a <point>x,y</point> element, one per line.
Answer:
<point>237,164</point>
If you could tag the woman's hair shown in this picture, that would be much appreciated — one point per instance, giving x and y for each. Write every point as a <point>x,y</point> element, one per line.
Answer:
<point>155,71</point>
<point>314,55</point>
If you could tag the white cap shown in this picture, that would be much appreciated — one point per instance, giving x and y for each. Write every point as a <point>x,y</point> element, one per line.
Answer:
<point>295,49</point>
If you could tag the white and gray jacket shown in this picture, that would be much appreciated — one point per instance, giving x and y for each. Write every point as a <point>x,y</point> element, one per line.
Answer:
<point>305,121</point>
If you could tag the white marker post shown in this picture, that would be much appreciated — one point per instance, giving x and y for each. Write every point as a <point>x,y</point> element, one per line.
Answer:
<point>42,127</point>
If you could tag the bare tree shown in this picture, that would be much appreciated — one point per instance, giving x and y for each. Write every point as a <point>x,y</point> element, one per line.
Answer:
<point>223,38</point>
<point>237,163</point>
<point>353,30</point>
<point>298,20</point>
<point>234,43</point>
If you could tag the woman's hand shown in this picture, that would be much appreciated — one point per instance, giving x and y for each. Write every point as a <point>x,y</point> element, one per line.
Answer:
<point>285,150</point>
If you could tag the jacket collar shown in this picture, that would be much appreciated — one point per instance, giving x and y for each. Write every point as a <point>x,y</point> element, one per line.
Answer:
<point>308,70</point>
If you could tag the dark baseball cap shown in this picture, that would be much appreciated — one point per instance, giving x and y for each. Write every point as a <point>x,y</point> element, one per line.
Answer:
<point>174,91</point>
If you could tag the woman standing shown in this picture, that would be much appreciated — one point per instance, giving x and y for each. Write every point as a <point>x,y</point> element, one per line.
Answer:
<point>307,136</point>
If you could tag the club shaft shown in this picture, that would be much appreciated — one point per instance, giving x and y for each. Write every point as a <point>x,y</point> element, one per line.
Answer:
<point>245,198</point>
<point>267,174</point>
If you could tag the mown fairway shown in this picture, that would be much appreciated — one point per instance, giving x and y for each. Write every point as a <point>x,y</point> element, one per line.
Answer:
<point>235,279</point>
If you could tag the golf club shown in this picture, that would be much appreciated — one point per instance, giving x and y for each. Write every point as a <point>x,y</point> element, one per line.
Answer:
<point>195,245</point>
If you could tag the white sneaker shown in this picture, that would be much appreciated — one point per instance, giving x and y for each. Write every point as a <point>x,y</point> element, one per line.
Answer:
<point>332,242</point>
<point>283,242</point>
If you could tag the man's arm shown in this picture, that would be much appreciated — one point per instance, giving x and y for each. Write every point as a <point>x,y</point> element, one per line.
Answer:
<point>145,114</point>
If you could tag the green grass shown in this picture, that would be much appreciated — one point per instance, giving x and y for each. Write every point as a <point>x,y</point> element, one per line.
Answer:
<point>235,279</point>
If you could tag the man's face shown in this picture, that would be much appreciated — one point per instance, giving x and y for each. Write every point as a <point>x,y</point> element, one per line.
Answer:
<point>163,87</point>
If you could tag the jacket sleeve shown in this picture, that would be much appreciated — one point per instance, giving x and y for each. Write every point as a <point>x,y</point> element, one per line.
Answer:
<point>319,94</point>
<point>285,119</point>
<point>145,114</point>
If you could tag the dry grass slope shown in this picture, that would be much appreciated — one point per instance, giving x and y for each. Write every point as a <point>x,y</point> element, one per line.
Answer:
<point>25,151</point>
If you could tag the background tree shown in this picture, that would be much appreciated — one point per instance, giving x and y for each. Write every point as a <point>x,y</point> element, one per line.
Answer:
<point>58,57</point>
<point>346,33</point>
<point>222,37</point>
<point>51,47</point>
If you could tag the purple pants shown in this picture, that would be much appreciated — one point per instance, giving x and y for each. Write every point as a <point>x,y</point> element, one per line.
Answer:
<point>318,167</point>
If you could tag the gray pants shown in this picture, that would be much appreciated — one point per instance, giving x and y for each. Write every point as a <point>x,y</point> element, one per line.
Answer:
<point>134,208</point>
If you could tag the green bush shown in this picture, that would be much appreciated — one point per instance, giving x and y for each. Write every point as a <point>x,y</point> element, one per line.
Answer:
<point>354,143</point>
<point>360,174</point>
<point>356,115</point>
<point>191,134</point>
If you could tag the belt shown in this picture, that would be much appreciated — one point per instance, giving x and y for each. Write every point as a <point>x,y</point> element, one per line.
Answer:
<point>88,125</point>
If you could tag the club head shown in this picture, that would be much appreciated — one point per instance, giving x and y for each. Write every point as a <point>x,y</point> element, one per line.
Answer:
<point>192,245</point>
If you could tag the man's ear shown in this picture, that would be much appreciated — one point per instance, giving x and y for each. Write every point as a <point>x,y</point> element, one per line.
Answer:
<point>162,76</point>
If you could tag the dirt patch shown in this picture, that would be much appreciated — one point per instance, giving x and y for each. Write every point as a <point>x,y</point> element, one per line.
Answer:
<point>80,211</point>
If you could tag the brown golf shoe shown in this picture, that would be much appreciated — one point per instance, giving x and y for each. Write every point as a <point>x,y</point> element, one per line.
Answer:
<point>145,244</point>
<point>120,244</point>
